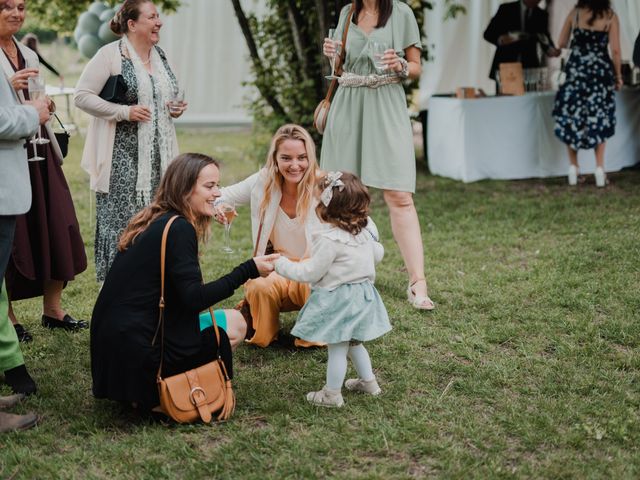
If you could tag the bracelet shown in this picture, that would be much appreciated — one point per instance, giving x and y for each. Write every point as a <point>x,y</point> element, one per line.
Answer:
<point>404,73</point>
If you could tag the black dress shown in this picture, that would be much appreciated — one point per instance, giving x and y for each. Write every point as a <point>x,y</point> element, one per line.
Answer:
<point>124,362</point>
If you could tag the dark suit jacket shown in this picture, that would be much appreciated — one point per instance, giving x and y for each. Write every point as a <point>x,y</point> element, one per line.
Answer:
<point>507,19</point>
<point>636,52</point>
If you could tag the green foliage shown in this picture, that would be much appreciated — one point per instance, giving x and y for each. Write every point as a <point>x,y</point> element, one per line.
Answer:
<point>288,65</point>
<point>61,15</point>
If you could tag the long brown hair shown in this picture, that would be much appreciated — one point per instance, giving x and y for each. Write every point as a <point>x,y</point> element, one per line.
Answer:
<point>276,180</point>
<point>385,7</point>
<point>130,10</point>
<point>598,8</point>
<point>349,207</point>
<point>173,195</point>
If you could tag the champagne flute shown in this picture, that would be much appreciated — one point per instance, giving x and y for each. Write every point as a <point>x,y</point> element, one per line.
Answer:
<point>228,208</point>
<point>37,91</point>
<point>377,52</point>
<point>176,101</point>
<point>332,60</point>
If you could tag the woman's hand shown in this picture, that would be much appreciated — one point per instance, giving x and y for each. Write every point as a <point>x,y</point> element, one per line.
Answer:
<point>329,47</point>
<point>619,82</point>
<point>219,215</point>
<point>176,110</point>
<point>20,80</point>
<point>391,59</point>
<point>265,263</point>
<point>139,113</point>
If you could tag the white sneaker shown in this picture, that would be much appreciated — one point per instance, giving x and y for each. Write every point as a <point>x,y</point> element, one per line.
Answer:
<point>326,398</point>
<point>573,175</point>
<point>358,385</point>
<point>601,177</point>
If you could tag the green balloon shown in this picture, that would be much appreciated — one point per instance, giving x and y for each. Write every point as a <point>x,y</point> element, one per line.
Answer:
<point>98,7</point>
<point>78,33</point>
<point>89,22</point>
<point>107,15</point>
<point>106,35</point>
<point>89,45</point>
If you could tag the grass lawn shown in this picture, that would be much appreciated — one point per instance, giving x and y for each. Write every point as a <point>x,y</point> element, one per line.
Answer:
<point>529,367</point>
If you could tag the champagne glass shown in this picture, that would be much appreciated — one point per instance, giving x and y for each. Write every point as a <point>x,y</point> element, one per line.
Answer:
<point>336,55</point>
<point>176,101</point>
<point>37,90</point>
<point>228,208</point>
<point>377,52</point>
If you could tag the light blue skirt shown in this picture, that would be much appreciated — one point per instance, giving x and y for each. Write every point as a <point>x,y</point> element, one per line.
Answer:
<point>353,311</point>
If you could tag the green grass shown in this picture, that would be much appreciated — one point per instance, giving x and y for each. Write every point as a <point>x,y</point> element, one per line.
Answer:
<point>528,367</point>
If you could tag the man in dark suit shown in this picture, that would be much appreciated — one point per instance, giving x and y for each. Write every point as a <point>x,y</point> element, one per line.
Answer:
<point>516,30</point>
<point>636,52</point>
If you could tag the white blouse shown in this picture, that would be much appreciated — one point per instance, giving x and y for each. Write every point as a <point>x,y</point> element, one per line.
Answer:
<point>288,236</point>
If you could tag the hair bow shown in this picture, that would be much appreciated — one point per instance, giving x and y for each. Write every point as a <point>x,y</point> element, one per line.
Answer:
<point>332,180</point>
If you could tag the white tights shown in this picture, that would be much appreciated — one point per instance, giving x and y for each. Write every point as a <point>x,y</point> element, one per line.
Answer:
<point>337,364</point>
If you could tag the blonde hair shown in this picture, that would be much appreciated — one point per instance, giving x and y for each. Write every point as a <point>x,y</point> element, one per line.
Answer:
<point>276,180</point>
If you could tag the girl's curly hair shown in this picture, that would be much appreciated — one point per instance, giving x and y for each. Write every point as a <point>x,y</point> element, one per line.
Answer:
<point>349,207</point>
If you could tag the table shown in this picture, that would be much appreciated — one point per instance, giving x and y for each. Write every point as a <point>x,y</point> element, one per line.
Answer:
<point>67,93</point>
<point>512,137</point>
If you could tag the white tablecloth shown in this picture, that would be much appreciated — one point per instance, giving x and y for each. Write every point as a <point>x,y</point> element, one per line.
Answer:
<point>512,138</point>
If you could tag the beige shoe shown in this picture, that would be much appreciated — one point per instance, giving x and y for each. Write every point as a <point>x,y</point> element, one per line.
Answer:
<point>601,177</point>
<point>326,398</point>
<point>420,303</point>
<point>10,421</point>
<point>365,386</point>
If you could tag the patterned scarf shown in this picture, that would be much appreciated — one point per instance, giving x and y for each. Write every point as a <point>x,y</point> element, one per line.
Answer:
<point>163,86</point>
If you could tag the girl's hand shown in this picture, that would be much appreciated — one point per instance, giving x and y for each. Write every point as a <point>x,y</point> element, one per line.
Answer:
<point>175,112</point>
<point>20,80</point>
<point>329,47</point>
<point>265,263</point>
<point>139,113</point>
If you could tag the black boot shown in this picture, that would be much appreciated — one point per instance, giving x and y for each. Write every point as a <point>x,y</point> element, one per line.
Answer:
<point>19,380</point>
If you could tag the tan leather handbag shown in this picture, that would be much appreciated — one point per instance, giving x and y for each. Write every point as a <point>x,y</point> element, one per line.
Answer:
<point>199,393</point>
<point>321,113</point>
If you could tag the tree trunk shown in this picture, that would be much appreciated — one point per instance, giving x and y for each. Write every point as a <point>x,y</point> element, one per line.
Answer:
<point>266,92</point>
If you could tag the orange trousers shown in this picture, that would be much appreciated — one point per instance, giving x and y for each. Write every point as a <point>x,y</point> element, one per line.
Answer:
<point>267,297</point>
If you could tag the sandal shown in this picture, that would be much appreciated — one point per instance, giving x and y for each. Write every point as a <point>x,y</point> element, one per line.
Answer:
<point>420,303</point>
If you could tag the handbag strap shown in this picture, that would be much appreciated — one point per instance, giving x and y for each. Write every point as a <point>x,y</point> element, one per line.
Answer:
<point>343,53</point>
<point>160,327</point>
<point>61,124</point>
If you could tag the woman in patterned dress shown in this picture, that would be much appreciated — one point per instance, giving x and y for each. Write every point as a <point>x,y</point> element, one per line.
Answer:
<point>585,107</point>
<point>128,146</point>
<point>368,130</point>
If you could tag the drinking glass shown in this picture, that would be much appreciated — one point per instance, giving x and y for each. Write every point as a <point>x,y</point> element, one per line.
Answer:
<point>377,52</point>
<point>36,88</point>
<point>228,208</point>
<point>176,101</point>
<point>332,60</point>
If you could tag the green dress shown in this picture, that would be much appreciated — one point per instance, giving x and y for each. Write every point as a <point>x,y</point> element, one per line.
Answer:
<point>368,130</point>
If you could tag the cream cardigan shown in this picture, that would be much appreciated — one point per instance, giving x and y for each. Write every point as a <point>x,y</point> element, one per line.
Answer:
<point>251,191</point>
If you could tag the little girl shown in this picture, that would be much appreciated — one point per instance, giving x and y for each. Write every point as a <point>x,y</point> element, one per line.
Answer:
<point>344,308</point>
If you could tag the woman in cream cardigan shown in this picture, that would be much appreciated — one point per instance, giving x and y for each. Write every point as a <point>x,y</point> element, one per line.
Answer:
<point>128,146</point>
<point>48,250</point>
<point>282,217</point>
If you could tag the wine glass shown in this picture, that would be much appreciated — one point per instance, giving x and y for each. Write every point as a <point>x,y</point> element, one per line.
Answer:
<point>377,52</point>
<point>176,101</point>
<point>228,208</point>
<point>332,60</point>
<point>37,91</point>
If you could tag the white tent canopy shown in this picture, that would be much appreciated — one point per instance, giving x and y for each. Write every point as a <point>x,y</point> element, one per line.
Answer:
<point>204,43</point>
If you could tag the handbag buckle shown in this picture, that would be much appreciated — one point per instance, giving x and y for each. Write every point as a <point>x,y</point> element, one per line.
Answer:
<point>193,391</point>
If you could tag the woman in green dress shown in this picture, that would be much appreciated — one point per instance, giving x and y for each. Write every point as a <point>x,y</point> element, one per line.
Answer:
<point>368,130</point>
